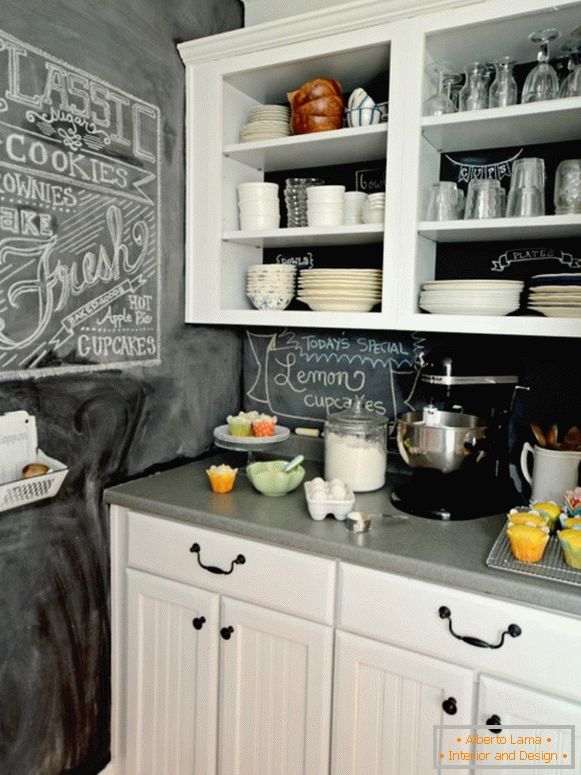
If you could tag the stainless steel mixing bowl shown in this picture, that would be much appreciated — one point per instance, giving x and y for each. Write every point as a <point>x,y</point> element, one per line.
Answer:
<point>456,441</point>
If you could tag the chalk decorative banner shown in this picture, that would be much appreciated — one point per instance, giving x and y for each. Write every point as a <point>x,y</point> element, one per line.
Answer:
<point>79,219</point>
<point>517,256</point>
<point>495,171</point>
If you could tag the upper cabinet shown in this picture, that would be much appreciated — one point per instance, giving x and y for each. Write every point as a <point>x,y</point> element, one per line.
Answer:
<point>365,46</point>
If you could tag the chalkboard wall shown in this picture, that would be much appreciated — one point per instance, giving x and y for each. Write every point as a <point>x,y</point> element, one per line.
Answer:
<point>54,563</point>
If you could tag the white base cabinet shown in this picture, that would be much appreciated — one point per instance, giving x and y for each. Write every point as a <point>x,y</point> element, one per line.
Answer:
<point>172,677</point>
<point>275,693</point>
<point>386,703</point>
<point>214,674</point>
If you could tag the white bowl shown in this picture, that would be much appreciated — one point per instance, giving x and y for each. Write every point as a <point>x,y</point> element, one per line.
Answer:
<point>373,215</point>
<point>266,300</point>
<point>325,193</point>
<point>325,218</point>
<point>259,222</point>
<point>258,186</point>
<point>259,208</point>
<point>365,116</point>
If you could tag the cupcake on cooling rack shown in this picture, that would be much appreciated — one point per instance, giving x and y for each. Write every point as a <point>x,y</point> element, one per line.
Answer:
<point>570,541</point>
<point>548,509</point>
<point>531,518</point>
<point>527,542</point>
<point>222,478</point>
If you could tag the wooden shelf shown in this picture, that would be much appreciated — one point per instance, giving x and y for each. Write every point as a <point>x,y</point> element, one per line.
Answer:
<point>365,234</point>
<point>490,230</point>
<point>540,122</point>
<point>319,149</point>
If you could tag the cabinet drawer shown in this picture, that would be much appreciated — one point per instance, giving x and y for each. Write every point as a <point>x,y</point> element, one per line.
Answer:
<point>404,611</point>
<point>290,581</point>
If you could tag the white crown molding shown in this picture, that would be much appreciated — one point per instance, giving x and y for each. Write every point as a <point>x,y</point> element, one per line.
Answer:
<point>294,29</point>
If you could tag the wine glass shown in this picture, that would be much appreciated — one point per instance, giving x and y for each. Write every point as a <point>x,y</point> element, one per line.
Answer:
<point>542,82</point>
<point>571,85</point>
<point>440,103</point>
<point>503,90</point>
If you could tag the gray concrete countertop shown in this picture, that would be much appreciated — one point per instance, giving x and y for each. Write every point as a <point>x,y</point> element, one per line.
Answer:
<point>452,553</point>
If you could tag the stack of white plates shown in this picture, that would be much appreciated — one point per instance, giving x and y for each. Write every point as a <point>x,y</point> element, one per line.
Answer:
<point>266,122</point>
<point>556,295</point>
<point>270,286</point>
<point>471,297</point>
<point>340,290</point>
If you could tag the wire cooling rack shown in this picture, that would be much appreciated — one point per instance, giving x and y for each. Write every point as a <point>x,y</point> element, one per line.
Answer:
<point>551,566</point>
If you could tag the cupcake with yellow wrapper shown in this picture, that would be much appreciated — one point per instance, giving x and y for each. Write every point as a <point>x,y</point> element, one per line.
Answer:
<point>570,541</point>
<point>222,478</point>
<point>528,542</point>
<point>572,523</point>
<point>548,509</point>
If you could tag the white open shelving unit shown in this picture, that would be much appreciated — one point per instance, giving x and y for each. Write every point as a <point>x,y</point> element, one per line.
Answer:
<point>230,73</point>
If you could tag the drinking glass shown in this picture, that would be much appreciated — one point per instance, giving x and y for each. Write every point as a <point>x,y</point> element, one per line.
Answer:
<point>484,199</point>
<point>542,83</point>
<point>527,188</point>
<point>295,198</point>
<point>440,103</point>
<point>474,93</point>
<point>503,90</point>
<point>571,85</point>
<point>443,204</point>
<point>568,187</point>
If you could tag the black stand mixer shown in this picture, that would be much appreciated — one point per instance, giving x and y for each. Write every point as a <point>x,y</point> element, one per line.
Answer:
<point>457,446</point>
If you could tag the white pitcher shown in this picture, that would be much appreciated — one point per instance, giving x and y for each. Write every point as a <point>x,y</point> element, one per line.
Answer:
<point>554,471</point>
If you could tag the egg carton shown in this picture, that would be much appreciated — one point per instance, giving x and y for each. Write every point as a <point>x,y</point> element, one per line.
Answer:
<point>18,448</point>
<point>322,498</point>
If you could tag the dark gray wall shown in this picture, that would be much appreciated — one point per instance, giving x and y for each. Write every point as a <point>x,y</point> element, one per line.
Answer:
<point>54,564</point>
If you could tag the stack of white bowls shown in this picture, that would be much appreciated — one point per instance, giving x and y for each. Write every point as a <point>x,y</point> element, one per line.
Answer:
<point>271,286</point>
<point>340,290</point>
<point>325,205</point>
<point>266,122</point>
<point>374,208</point>
<point>259,206</point>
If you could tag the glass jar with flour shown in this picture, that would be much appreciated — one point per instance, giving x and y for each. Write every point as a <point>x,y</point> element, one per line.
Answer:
<point>356,448</point>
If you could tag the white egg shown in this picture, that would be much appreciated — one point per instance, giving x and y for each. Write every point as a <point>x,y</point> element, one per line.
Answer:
<point>318,490</point>
<point>338,492</point>
<point>335,482</point>
<point>317,495</point>
<point>317,480</point>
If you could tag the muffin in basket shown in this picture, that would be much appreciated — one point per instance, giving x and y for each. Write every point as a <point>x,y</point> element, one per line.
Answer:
<point>264,425</point>
<point>527,542</point>
<point>570,541</point>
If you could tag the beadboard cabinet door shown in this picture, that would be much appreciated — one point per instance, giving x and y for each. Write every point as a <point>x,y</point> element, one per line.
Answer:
<point>386,701</point>
<point>519,705</point>
<point>172,677</point>
<point>275,692</point>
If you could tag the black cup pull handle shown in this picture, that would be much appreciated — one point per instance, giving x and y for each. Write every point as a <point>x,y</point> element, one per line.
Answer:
<point>198,622</point>
<point>450,707</point>
<point>226,632</point>
<point>494,719</point>
<point>239,560</point>
<point>513,630</point>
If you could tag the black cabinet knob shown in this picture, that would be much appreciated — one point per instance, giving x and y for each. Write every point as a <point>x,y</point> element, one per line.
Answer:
<point>449,706</point>
<point>494,719</point>
<point>226,632</point>
<point>198,622</point>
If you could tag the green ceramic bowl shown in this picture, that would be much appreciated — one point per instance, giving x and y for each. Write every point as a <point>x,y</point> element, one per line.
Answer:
<point>269,478</point>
